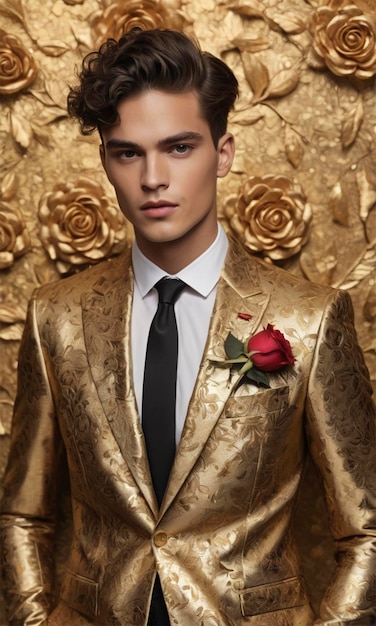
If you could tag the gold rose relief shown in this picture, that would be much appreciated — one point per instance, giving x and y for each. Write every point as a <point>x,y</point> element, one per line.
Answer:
<point>344,37</point>
<point>14,236</point>
<point>118,18</point>
<point>18,69</point>
<point>79,226</point>
<point>270,215</point>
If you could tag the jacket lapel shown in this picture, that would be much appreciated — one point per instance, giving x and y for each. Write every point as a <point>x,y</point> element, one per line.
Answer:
<point>238,291</point>
<point>106,311</point>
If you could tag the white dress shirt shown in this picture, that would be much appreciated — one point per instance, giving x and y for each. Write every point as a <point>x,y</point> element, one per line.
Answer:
<point>193,311</point>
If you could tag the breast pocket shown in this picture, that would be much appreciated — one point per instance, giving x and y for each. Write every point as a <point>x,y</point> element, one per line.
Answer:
<point>263,402</point>
<point>249,421</point>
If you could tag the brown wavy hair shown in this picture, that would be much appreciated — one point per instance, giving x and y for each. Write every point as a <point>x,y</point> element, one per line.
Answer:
<point>166,60</point>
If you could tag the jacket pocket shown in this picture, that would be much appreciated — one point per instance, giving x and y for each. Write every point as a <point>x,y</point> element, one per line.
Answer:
<point>278,596</point>
<point>80,593</point>
<point>255,405</point>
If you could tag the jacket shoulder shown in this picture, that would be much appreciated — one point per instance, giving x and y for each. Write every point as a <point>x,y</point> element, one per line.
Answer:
<point>93,278</point>
<point>273,279</point>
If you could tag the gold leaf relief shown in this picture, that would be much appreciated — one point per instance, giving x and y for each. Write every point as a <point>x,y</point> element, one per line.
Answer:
<point>44,272</point>
<point>370,227</point>
<point>338,205</point>
<point>51,114</point>
<point>82,36</point>
<point>251,45</point>
<point>21,130</point>
<point>319,265</point>
<point>12,333</point>
<point>11,313</point>
<point>256,74</point>
<point>247,116</point>
<point>3,430</point>
<point>44,94</point>
<point>284,82</point>
<point>313,61</point>
<point>291,23</point>
<point>294,146</point>
<point>363,267</point>
<point>367,190</point>
<point>53,48</point>
<point>13,8</point>
<point>8,166</point>
<point>8,186</point>
<point>369,307</point>
<point>351,124</point>
<point>42,136</point>
<point>254,8</point>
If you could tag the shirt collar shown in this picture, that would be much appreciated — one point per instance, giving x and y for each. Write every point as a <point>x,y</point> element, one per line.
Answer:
<point>201,275</point>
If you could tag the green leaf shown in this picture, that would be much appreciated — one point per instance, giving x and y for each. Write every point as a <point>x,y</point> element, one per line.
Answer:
<point>258,377</point>
<point>233,347</point>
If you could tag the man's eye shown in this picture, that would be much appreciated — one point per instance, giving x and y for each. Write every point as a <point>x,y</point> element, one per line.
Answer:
<point>181,148</point>
<point>127,154</point>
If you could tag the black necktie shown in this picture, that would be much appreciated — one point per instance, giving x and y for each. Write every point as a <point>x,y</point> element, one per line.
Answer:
<point>159,390</point>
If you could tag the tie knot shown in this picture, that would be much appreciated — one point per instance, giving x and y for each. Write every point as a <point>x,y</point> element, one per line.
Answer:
<point>169,289</point>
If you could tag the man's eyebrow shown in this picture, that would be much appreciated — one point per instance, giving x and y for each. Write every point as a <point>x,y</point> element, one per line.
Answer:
<point>168,141</point>
<point>122,143</point>
<point>181,138</point>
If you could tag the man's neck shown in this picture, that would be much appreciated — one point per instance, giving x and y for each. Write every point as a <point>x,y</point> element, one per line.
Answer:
<point>173,256</point>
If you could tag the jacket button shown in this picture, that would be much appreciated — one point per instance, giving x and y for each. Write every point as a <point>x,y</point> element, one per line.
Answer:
<point>160,539</point>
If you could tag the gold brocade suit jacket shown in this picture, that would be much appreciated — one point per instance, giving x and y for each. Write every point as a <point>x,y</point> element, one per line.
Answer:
<point>222,542</point>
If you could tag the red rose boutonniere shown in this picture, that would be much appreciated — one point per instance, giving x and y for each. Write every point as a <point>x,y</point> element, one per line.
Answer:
<point>267,351</point>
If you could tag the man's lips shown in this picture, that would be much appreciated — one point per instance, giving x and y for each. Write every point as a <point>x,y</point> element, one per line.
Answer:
<point>162,208</point>
<point>157,205</point>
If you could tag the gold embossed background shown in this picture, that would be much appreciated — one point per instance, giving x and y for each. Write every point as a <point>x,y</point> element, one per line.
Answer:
<point>301,193</point>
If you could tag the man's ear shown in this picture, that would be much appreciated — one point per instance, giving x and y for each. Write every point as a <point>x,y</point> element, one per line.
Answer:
<point>226,153</point>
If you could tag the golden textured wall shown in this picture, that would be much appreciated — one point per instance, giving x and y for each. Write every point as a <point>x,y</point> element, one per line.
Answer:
<point>301,193</point>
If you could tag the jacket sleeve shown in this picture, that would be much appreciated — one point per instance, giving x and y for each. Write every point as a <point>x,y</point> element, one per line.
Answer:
<point>341,433</point>
<point>27,519</point>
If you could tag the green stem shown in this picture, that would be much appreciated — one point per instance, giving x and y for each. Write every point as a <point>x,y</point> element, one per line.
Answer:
<point>246,367</point>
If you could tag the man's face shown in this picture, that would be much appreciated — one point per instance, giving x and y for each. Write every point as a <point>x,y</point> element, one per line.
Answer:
<point>164,166</point>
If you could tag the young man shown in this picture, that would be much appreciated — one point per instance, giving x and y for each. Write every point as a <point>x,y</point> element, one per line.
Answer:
<point>210,544</point>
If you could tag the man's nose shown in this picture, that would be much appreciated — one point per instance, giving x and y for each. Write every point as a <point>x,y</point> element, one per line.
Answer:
<point>155,172</point>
